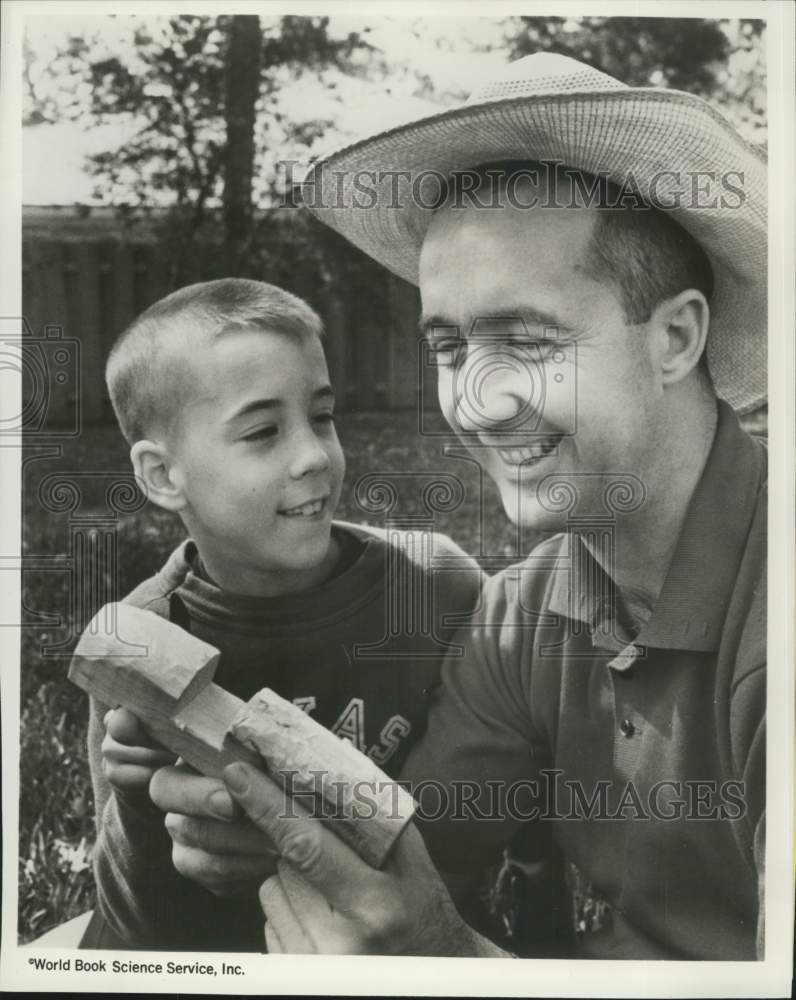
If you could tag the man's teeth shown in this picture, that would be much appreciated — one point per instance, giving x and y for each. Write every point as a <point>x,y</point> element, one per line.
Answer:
<point>306,509</point>
<point>531,453</point>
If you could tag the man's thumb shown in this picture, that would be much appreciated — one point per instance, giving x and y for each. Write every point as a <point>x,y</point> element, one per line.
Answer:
<point>262,800</point>
<point>315,853</point>
<point>271,809</point>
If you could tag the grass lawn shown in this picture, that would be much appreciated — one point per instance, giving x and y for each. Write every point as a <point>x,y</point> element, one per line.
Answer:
<point>56,809</point>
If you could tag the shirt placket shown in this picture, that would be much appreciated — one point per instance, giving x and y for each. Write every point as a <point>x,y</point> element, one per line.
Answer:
<point>621,676</point>
<point>629,721</point>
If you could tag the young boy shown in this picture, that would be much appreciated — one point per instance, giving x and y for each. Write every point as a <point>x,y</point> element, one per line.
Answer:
<point>222,391</point>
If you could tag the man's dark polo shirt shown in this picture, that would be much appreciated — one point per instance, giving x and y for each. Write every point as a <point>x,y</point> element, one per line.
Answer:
<point>666,733</point>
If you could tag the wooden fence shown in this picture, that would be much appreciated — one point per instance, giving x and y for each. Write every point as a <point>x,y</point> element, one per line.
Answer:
<point>87,275</point>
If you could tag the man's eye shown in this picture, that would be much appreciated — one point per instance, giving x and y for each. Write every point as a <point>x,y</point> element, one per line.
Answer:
<point>533,349</point>
<point>324,418</point>
<point>262,433</point>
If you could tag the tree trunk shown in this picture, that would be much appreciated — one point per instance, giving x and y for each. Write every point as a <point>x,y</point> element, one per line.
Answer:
<point>242,84</point>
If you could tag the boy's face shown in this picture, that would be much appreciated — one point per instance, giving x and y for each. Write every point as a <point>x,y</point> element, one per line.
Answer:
<point>258,461</point>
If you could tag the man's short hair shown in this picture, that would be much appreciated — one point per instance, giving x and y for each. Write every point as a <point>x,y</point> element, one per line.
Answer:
<point>147,373</point>
<point>644,252</point>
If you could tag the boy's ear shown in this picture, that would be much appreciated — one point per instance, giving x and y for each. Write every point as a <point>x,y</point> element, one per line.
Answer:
<point>156,473</point>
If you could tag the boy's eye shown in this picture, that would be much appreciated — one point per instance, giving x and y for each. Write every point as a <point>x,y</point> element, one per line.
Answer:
<point>446,352</point>
<point>261,433</point>
<point>323,418</point>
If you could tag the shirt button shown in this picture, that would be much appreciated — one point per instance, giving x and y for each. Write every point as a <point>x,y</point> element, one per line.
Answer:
<point>626,728</point>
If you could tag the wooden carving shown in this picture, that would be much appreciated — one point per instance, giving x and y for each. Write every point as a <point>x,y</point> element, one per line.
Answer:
<point>164,675</point>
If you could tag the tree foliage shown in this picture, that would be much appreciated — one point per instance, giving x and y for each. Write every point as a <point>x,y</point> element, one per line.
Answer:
<point>720,60</point>
<point>640,51</point>
<point>202,119</point>
<point>173,82</point>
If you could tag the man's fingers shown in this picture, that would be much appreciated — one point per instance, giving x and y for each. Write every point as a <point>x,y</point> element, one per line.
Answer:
<point>304,897</point>
<point>410,855</point>
<point>311,910</point>
<point>219,836</point>
<point>320,857</point>
<point>282,920</point>
<point>272,943</point>
<point>226,876</point>
<point>329,932</point>
<point>177,790</point>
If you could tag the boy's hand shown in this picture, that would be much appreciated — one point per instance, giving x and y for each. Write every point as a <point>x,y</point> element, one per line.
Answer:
<point>213,842</point>
<point>129,756</point>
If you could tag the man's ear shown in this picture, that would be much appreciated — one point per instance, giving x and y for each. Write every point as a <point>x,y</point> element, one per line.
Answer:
<point>157,475</point>
<point>683,324</point>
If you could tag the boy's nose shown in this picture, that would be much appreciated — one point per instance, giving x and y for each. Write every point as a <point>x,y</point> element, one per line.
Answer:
<point>495,388</point>
<point>310,456</point>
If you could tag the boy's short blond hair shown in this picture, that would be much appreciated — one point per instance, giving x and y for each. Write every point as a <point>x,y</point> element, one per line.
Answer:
<point>147,373</point>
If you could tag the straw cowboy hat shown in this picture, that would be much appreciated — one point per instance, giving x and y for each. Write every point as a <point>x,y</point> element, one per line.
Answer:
<point>551,107</point>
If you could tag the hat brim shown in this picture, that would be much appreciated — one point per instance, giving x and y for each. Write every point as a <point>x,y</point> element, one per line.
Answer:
<point>638,138</point>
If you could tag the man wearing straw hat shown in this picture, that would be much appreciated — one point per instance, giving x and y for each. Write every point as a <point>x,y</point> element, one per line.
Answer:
<point>592,266</point>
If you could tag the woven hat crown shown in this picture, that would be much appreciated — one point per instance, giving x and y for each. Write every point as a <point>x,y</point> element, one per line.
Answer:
<point>544,73</point>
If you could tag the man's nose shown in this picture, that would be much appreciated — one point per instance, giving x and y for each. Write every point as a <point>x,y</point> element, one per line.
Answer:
<point>309,455</point>
<point>494,388</point>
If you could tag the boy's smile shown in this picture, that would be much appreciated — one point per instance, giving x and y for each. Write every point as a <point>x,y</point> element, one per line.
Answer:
<point>310,509</point>
<point>258,462</point>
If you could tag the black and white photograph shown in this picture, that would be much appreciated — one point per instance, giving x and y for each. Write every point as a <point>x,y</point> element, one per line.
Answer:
<point>389,399</point>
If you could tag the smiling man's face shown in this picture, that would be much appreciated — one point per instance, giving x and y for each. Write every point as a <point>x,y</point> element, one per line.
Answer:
<point>257,458</point>
<point>546,376</point>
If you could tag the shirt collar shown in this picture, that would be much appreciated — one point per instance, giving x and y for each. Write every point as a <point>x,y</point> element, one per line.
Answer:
<point>692,605</point>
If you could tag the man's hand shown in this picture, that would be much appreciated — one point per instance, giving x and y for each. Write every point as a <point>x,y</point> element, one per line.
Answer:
<point>324,898</point>
<point>129,756</point>
<point>213,842</point>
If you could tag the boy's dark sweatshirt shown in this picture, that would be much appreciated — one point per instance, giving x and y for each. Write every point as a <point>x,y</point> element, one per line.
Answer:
<point>353,652</point>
